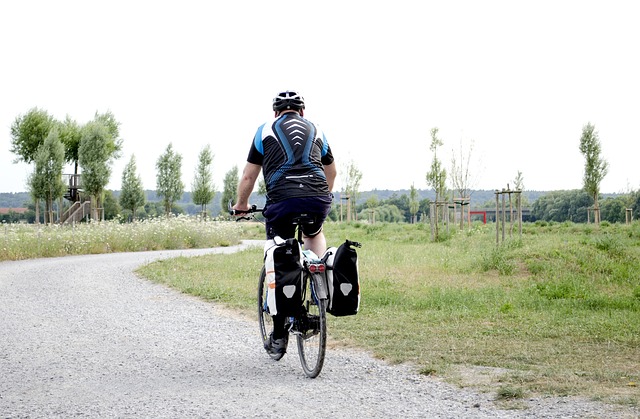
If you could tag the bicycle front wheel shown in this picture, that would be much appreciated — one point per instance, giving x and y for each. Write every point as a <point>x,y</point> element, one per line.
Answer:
<point>264,318</point>
<point>312,342</point>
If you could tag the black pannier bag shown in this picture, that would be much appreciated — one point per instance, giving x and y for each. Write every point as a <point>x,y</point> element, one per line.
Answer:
<point>344,279</point>
<point>283,270</point>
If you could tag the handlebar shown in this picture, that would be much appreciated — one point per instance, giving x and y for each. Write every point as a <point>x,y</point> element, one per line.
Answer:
<point>237,213</point>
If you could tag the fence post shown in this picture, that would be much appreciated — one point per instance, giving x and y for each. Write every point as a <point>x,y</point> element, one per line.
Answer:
<point>519,210</point>
<point>504,216</point>
<point>432,213</point>
<point>497,215</point>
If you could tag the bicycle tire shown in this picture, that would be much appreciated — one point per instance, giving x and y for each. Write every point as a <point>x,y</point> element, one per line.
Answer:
<point>313,342</point>
<point>264,318</point>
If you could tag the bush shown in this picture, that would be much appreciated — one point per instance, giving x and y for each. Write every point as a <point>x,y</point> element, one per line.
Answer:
<point>498,259</point>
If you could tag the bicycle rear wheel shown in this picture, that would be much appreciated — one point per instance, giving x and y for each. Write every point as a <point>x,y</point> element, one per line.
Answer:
<point>264,318</point>
<point>312,341</point>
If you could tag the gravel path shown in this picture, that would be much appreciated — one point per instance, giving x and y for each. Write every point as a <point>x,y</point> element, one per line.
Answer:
<point>83,336</point>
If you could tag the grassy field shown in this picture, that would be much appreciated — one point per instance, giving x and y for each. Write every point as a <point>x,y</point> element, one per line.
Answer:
<point>555,312</point>
<point>27,241</point>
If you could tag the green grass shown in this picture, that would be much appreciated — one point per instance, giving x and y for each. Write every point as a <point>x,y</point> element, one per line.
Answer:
<point>556,311</point>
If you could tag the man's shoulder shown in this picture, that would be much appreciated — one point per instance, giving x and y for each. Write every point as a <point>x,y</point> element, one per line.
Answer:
<point>265,124</point>
<point>265,130</point>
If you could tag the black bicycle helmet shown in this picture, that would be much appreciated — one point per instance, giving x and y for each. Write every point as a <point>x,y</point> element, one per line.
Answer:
<point>288,100</point>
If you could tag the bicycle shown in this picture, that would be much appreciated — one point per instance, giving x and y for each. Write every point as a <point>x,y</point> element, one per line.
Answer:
<point>310,326</point>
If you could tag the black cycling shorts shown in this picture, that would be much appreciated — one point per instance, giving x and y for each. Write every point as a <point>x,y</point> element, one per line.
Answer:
<point>279,216</point>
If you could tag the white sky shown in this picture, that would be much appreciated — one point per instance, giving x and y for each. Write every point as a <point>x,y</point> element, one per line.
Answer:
<point>516,79</point>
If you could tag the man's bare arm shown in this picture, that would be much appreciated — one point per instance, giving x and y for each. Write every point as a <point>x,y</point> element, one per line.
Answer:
<point>245,186</point>
<point>330,172</point>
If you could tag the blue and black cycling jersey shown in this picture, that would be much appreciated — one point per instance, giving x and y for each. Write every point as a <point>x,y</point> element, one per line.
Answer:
<point>292,152</point>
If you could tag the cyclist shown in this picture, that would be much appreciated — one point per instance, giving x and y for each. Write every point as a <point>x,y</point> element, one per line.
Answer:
<point>299,171</point>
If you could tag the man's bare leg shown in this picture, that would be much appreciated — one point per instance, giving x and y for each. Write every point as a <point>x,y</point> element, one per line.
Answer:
<point>317,244</point>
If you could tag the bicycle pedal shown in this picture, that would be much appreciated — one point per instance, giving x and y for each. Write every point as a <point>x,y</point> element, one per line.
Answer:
<point>289,324</point>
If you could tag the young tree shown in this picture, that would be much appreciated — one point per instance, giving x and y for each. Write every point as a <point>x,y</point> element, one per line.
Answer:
<point>132,194</point>
<point>71,135</point>
<point>414,205</point>
<point>230,191</point>
<point>518,182</point>
<point>51,154</point>
<point>94,155</point>
<point>37,184</point>
<point>351,186</point>
<point>28,132</point>
<point>595,167</point>
<point>202,186</point>
<point>437,175</point>
<point>114,144</point>
<point>46,180</point>
<point>169,178</point>
<point>461,171</point>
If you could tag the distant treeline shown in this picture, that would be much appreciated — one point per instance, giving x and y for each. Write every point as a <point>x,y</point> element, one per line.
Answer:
<point>390,205</point>
<point>479,198</point>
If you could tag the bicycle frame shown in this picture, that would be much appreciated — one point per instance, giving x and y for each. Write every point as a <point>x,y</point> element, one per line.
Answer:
<point>317,284</point>
<point>310,327</point>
